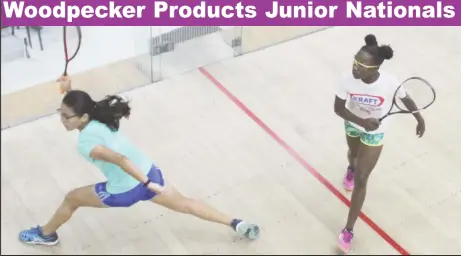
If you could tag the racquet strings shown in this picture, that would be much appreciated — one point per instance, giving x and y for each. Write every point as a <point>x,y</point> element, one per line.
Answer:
<point>421,93</point>
<point>72,40</point>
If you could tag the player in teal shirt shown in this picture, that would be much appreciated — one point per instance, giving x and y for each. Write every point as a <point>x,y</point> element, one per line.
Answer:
<point>96,133</point>
<point>131,175</point>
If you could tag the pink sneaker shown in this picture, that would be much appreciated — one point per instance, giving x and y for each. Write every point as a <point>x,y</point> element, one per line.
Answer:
<point>349,180</point>
<point>345,239</point>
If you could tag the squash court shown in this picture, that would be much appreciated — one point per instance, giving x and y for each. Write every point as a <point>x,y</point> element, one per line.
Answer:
<point>256,137</point>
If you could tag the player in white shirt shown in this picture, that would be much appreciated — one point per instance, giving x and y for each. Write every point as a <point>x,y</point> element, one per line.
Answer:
<point>361,99</point>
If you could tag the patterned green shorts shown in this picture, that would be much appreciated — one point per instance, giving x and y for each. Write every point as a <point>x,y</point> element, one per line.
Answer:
<point>365,138</point>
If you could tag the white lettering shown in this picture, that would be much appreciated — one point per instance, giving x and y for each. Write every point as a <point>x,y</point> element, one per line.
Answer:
<point>354,10</point>
<point>60,10</point>
<point>275,10</point>
<point>449,12</point>
<point>73,12</point>
<point>87,12</point>
<point>99,9</point>
<point>301,11</point>
<point>250,12</point>
<point>381,10</point>
<point>388,10</point>
<point>17,9</point>
<point>128,12</point>
<point>400,12</point>
<point>173,10</point>
<point>369,12</point>
<point>200,11</point>
<point>239,8</point>
<point>185,11</point>
<point>225,13</point>
<point>160,7</point>
<point>45,11</point>
<point>321,12</point>
<point>114,11</point>
<point>139,10</point>
<point>30,11</point>
<point>11,7</point>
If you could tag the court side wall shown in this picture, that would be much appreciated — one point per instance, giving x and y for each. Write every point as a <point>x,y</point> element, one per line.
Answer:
<point>116,59</point>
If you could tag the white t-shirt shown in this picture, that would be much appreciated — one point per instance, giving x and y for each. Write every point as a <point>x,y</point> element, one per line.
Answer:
<point>370,100</point>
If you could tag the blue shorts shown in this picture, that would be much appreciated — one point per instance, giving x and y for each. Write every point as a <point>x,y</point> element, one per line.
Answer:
<point>133,196</point>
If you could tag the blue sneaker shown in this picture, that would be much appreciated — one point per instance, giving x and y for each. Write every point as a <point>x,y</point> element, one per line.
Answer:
<point>35,236</point>
<point>250,231</point>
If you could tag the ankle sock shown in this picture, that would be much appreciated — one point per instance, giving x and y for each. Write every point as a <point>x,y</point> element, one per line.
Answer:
<point>234,223</point>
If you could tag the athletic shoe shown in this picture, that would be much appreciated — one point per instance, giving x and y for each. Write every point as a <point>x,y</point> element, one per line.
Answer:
<point>345,239</point>
<point>246,229</point>
<point>35,236</point>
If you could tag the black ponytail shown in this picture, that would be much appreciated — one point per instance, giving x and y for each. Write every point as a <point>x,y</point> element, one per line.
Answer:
<point>108,111</point>
<point>379,53</point>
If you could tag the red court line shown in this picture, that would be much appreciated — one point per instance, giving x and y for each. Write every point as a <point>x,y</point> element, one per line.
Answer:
<point>303,162</point>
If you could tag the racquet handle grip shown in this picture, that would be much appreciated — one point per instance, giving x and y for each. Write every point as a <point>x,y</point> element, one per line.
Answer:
<point>63,85</point>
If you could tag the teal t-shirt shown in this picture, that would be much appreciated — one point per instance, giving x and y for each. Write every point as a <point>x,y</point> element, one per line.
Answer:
<point>118,181</point>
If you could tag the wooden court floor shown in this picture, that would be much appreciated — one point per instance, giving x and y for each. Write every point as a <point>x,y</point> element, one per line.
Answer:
<point>256,137</point>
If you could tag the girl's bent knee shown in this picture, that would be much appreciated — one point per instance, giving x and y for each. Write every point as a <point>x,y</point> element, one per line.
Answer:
<point>71,201</point>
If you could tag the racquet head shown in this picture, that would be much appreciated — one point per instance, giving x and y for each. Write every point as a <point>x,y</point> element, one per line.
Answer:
<point>72,37</point>
<point>420,91</point>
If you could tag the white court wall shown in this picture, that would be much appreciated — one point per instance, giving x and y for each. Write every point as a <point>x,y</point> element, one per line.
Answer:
<point>100,46</point>
<point>115,59</point>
